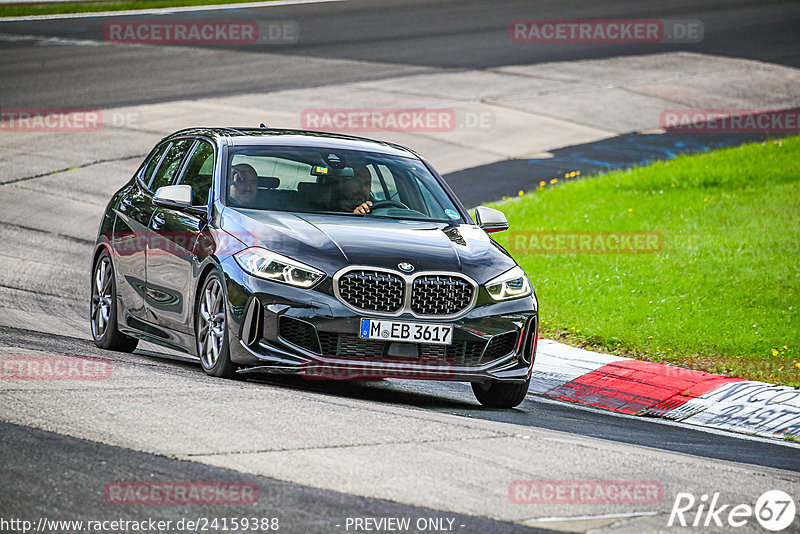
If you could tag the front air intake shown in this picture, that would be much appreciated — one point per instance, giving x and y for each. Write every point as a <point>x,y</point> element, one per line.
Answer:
<point>372,290</point>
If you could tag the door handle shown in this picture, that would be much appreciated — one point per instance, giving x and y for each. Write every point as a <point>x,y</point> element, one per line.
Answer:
<point>158,220</point>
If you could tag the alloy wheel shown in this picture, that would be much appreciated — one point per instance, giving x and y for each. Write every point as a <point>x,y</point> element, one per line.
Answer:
<point>102,298</point>
<point>211,331</point>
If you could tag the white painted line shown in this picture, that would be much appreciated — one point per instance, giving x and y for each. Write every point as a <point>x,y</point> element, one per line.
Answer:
<point>588,517</point>
<point>45,40</point>
<point>164,10</point>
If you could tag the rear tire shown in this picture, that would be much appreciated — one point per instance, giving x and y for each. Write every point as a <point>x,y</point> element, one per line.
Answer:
<point>501,394</point>
<point>211,329</point>
<point>103,309</point>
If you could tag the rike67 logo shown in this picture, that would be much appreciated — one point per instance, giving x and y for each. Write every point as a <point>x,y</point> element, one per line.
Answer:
<point>774,511</point>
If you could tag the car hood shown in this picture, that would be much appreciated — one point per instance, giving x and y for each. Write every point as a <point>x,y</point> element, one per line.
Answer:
<point>331,242</point>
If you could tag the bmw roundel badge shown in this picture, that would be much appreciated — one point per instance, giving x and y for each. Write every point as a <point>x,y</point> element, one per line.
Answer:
<point>405,267</point>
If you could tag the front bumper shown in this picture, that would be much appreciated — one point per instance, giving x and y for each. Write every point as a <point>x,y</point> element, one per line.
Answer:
<point>277,328</point>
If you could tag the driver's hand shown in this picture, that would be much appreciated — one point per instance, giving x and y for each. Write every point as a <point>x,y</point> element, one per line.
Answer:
<point>363,209</point>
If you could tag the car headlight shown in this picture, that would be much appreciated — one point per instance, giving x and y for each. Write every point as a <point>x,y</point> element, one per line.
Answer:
<point>263,263</point>
<point>512,284</point>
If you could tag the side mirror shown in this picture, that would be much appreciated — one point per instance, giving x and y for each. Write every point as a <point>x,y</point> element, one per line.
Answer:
<point>177,197</point>
<point>491,220</point>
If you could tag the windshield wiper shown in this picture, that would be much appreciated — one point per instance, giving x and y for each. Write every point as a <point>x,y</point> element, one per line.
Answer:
<point>404,218</point>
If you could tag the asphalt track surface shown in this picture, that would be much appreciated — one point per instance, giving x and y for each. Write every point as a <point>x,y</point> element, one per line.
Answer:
<point>356,40</point>
<point>456,399</point>
<point>68,469</point>
<point>52,476</point>
<point>44,471</point>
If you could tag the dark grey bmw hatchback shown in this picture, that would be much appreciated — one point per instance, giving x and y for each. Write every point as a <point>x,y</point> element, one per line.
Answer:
<point>330,256</point>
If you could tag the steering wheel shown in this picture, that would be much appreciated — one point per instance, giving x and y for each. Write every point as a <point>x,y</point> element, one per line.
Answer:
<point>387,203</point>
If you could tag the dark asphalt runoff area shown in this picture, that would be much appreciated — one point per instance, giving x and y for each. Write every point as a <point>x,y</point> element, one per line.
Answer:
<point>600,157</point>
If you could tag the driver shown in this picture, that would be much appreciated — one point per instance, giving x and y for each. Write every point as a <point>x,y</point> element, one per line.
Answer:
<point>244,185</point>
<point>356,190</point>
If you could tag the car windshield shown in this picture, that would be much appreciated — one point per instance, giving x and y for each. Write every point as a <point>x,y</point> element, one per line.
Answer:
<point>316,180</point>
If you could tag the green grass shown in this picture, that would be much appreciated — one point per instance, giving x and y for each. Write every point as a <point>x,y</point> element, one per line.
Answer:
<point>722,294</point>
<point>50,8</point>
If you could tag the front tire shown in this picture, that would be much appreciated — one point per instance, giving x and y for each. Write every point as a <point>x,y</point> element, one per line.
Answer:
<point>103,309</point>
<point>501,394</point>
<point>211,329</point>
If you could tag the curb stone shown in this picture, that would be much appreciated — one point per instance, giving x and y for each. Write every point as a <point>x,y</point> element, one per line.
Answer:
<point>648,389</point>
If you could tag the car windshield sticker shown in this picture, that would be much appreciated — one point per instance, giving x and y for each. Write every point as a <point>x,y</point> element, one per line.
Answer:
<point>319,171</point>
<point>453,214</point>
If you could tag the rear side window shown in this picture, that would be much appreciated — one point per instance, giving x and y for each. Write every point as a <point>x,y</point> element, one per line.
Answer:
<point>170,164</point>
<point>153,163</point>
<point>289,173</point>
<point>199,171</point>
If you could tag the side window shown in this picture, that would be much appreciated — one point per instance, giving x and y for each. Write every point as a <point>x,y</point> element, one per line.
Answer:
<point>170,165</point>
<point>432,207</point>
<point>153,163</point>
<point>199,171</point>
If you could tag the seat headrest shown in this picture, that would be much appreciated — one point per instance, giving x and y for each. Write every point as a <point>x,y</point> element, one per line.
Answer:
<point>268,182</point>
<point>307,187</point>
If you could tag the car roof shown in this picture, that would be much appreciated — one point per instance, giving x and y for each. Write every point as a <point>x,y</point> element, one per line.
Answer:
<point>300,138</point>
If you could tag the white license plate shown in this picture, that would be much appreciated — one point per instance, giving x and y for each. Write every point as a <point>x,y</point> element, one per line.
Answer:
<point>437,334</point>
